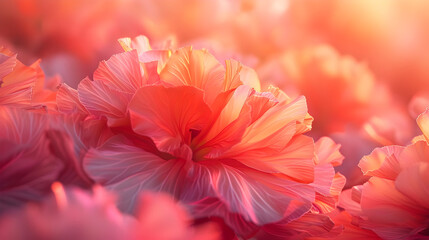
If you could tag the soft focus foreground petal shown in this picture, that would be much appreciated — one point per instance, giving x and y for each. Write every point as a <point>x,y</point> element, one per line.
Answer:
<point>128,170</point>
<point>160,218</point>
<point>382,162</point>
<point>122,71</point>
<point>167,115</point>
<point>62,218</point>
<point>195,68</point>
<point>103,100</point>
<point>27,168</point>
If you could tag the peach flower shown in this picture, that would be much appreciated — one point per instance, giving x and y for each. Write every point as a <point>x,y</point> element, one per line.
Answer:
<point>206,134</point>
<point>393,203</point>
<point>391,38</point>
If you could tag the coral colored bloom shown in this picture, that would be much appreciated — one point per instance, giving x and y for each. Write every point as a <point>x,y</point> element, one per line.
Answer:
<point>394,203</point>
<point>207,135</point>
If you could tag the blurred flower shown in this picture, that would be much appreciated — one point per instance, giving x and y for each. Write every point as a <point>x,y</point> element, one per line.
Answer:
<point>391,38</point>
<point>393,203</point>
<point>76,214</point>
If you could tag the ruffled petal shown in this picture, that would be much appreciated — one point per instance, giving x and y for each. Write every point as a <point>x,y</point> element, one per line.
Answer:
<point>167,115</point>
<point>228,126</point>
<point>295,160</point>
<point>101,99</point>
<point>68,100</point>
<point>122,71</point>
<point>328,152</point>
<point>275,128</point>
<point>197,68</point>
<point>128,170</point>
<point>382,162</point>
<point>27,169</point>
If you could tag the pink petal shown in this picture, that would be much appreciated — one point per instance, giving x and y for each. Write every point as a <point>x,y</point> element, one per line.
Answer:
<point>101,99</point>
<point>128,170</point>
<point>382,162</point>
<point>413,183</point>
<point>295,160</point>
<point>328,151</point>
<point>68,100</point>
<point>27,168</point>
<point>122,71</point>
<point>197,68</point>
<point>168,114</point>
<point>246,192</point>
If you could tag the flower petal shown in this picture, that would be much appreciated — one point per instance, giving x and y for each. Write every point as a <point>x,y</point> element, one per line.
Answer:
<point>167,115</point>
<point>198,68</point>
<point>122,71</point>
<point>382,162</point>
<point>101,99</point>
<point>128,170</point>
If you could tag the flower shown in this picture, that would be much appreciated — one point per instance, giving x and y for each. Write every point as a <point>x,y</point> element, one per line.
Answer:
<point>201,132</point>
<point>393,203</point>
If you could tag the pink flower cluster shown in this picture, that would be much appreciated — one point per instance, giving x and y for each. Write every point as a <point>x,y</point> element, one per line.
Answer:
<point>237,120</point>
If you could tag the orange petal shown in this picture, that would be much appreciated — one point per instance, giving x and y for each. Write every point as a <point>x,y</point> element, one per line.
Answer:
<point>167,115</point>
<point>382,162</point>
<point>328,151</point>
<point>122,71</point>
<point>197,68</point>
